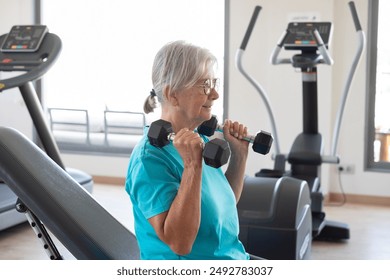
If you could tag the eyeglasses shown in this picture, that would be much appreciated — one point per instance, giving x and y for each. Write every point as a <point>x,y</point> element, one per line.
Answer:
<point>208,85</point>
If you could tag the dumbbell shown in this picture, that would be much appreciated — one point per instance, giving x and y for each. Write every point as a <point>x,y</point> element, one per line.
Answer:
<point>261,143</point>
<point>215,152</point>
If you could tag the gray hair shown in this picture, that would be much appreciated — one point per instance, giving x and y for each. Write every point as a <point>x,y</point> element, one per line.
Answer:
<point>178,65</point>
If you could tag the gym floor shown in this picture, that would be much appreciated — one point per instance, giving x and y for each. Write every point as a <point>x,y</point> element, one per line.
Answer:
<point>369,226</point>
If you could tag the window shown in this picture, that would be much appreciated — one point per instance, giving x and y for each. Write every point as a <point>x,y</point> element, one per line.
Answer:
<point>103,74</point>
<point>378,89</point>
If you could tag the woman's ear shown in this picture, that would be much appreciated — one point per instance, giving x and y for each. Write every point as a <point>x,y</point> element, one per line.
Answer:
<point>170,96</point>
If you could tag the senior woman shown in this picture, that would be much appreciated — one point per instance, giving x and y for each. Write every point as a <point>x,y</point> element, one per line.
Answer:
<point>183,208</point>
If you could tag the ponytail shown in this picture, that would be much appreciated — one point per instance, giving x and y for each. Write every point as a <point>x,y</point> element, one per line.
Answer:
<point>150,102</point>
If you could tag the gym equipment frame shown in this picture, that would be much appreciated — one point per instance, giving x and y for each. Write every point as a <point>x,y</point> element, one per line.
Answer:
<point>306,154</point>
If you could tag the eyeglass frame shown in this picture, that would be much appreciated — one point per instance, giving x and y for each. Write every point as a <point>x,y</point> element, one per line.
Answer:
<point>208,85</point>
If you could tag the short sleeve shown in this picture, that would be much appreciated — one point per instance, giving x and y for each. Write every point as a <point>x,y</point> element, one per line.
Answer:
<point>152,184</point>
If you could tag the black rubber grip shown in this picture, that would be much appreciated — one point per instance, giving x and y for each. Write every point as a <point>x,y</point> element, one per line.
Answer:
<point>355,16</point>
<point>250,27</point>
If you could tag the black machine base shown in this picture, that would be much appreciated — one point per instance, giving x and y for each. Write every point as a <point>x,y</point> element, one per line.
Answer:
<point>275,218</point>
<point>333,231</point>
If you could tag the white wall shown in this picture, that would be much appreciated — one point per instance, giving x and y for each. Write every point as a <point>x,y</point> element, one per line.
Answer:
<point>281,82</point>
<point>351,146</point>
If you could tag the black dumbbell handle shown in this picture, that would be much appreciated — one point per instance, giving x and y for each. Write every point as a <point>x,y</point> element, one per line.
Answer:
<point>262,141</point>
<point>249,138</point>
<point>171,137</point>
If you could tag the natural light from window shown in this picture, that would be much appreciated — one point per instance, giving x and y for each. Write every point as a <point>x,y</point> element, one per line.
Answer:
<point>382,97</point>
<point>109,47</point>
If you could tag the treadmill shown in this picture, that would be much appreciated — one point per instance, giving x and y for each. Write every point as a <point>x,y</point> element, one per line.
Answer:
<point>31,50</point>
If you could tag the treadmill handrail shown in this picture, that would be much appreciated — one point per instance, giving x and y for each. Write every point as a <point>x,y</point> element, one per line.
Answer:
<point>50,49</point>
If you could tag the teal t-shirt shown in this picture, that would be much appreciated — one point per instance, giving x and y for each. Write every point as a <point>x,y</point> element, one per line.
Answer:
<point>152,182</point>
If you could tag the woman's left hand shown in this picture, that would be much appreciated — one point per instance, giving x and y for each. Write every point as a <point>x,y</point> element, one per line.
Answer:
<point>234,132</point>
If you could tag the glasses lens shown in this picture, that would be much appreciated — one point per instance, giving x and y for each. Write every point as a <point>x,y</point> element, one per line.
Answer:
<point>209,85</point>
<point>206,87</point>
<point>215,83</point>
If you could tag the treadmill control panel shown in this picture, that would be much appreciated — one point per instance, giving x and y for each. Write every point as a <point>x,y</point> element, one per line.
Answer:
<point>24,38</point>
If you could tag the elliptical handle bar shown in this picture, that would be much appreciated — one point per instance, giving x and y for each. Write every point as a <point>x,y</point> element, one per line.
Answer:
<point>355,16</point>
<point>252,81</point>
<point>249,30</point>
<point>275,53</point>
<point>347,86</point>
<point>326,58</point>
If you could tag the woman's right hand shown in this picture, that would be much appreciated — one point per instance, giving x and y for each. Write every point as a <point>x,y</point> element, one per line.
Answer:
<point>190,147</point>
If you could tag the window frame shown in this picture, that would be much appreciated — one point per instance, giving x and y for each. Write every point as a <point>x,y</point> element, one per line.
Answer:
<point>372,39</point>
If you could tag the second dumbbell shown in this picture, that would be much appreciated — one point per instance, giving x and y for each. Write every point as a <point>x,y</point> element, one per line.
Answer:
<point>215,152</point>
<point>261,143</point>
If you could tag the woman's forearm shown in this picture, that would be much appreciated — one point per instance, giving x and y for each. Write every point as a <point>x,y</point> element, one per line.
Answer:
<point>235,174</point>
<point>179,226</point>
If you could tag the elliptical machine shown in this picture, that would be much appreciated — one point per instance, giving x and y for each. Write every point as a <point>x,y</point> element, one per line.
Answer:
<point>306,154</point>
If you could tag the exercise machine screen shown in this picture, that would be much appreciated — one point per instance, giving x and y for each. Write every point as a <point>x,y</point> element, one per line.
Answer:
<point>300,34</point>
<point>24,38</point>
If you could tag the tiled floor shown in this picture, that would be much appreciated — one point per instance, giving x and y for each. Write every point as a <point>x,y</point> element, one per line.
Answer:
<point>369,226</point>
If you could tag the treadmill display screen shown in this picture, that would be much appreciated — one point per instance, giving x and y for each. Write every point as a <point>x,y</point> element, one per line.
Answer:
<point>24,38</point>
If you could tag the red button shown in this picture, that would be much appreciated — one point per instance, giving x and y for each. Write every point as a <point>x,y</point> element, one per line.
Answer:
<point>7,60</point>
